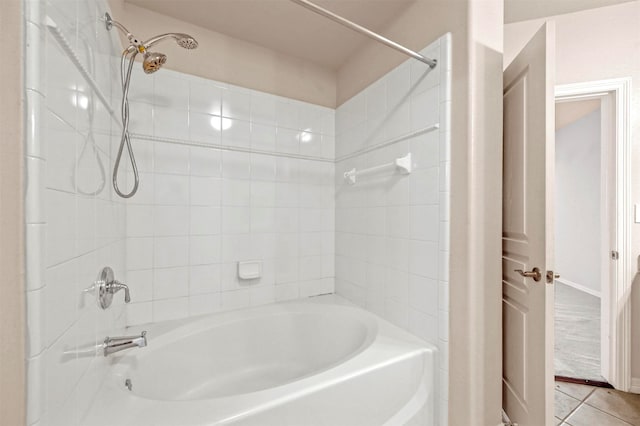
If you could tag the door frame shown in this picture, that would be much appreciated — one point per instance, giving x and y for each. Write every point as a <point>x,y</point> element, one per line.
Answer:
<point>618,295</point>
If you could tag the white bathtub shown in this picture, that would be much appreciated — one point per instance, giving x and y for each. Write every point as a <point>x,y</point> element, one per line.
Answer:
<point>295,364</point>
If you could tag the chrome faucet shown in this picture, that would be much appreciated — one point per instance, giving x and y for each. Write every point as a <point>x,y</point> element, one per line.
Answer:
<point>107,286</point>
<point>116,286</point>
<point>117,344</point>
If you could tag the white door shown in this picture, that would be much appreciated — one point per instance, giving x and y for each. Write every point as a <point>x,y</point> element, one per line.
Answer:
<point>527,232</point>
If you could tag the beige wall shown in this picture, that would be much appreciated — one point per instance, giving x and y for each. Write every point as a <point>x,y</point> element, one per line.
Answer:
<point>475,352</point>
<point>593,45</point>
<point>12,372</point>
<point>231,60</point>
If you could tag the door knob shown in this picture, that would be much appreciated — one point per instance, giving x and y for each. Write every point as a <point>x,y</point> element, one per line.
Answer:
<point>551,276</point>
<point>535,273</point>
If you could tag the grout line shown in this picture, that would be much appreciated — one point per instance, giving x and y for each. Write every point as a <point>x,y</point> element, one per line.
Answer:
<point>606,412</point>
<point>581,402</point>
<point>613,414</point>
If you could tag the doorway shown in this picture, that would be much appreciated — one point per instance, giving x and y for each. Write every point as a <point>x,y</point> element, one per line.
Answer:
<point>609,222</point>
<point>528,256</point>
<point>583,208</point>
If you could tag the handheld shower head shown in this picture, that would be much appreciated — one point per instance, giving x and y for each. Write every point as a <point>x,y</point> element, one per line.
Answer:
<point>153,61</point>
<point>183,40</point>
<point>186,41</point>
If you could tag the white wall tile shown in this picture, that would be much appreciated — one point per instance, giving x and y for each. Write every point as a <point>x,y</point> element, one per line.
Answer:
<point>205,161</point>
<point>236,220</point>
<point>205,127</point>
<point>139,313</point>
<point>204,279</point>
<point>170,251</point>
<point>287,114</point>
<point>263,167</point>
<point>263,194</point>
<point>140,220</point>
<point>422,325</point>
<point>392,231</point>
<point>168,309</point>
<point>171,189</point>
<point>170,283</point>
<point>423,258</point>
<point>204,304</point>
<point>36,322</point>
<point>35,255</point>
<point>36,390</point>
<point>205,191</point>
<point>35,205</point>
<point>424,223</point>
<point>236,132</point>
<point>170,123</point>
<point>236,192</point>
<point>286,292</point>
<point>236,165</point>
<point>170,220</point>
<point>262,295</point>
<point>263,137</point>
<point>171,90</point>
<point>235,299</point>
<point>204,249</point>
<point>236,104</point>
<point>235,247</point>
<point>140,283</point>
<point>139,253</point>
<point>205,98</point>
<point>205,220</point>
<point>171,158</point>
<point>71,234</point>
<point>263,108</point>
<point>423,294</point>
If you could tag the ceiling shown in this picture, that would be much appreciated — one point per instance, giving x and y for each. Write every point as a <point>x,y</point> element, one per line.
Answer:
<point>522,10</point>
<point>570,112</point>
<point>286,27</point>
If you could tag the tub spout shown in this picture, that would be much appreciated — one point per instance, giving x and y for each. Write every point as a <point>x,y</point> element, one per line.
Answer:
<point>117,344</point>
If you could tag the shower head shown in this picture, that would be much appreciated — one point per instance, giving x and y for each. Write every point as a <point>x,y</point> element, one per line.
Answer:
<point>153,61</point>
<point>187,42</point>
<point>183,40</point>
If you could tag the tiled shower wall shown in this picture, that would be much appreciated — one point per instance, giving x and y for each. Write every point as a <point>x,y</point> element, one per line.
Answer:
<point>268,196</point>
<point>392,229</point>
<point>75,224</point>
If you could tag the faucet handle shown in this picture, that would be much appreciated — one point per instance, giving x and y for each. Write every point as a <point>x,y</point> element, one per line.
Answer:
<point>107,286</point>
<point>116,286</point>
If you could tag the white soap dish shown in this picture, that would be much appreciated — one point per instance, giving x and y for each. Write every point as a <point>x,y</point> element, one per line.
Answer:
<point>249,269</point>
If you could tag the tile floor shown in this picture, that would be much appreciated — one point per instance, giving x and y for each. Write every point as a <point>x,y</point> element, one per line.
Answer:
<point>577,333</point>
<point>580,405</point>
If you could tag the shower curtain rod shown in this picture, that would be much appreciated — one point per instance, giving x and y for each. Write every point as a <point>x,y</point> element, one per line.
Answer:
<point>367,32</point>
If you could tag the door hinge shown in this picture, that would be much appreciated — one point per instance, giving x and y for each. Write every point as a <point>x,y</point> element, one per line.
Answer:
<point>615,255</point>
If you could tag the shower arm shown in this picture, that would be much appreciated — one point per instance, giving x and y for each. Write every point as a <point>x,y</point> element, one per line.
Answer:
<point>111,23</point>
<point>135,43</point>
<point>157,39</point>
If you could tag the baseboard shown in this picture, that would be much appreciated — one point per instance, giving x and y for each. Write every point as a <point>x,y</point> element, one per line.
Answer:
<point>579,287</point>
<point>635,385</point>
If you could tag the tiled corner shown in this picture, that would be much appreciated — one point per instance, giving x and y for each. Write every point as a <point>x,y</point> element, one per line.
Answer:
<point>397,226</point>
<point>70,231</point>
